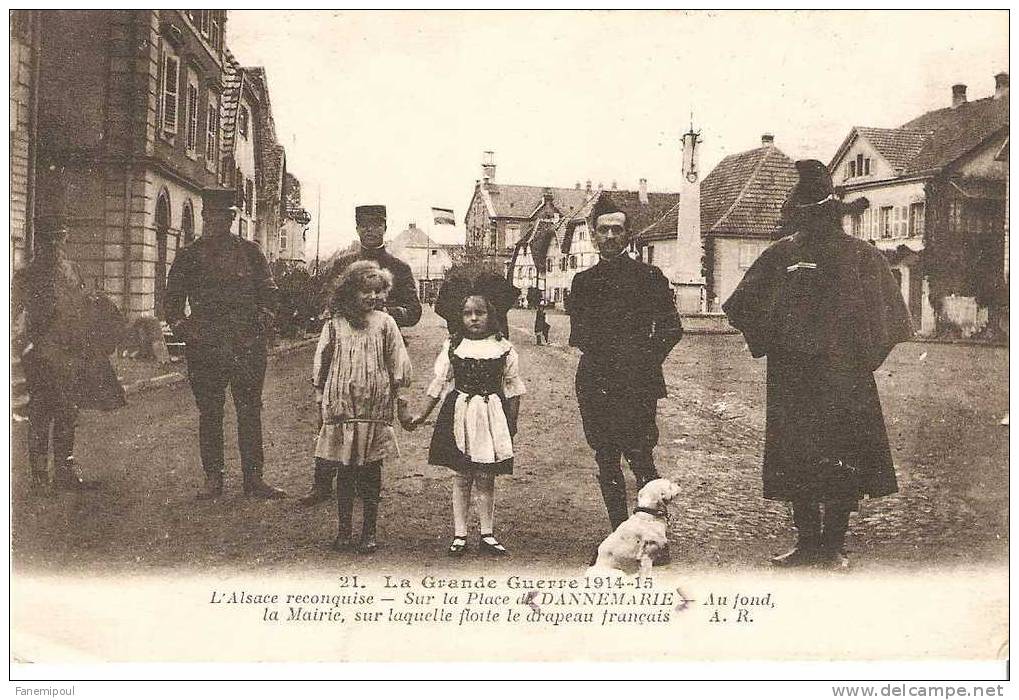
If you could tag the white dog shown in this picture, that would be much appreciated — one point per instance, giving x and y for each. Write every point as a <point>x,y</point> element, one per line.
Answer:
<point>634,544</point>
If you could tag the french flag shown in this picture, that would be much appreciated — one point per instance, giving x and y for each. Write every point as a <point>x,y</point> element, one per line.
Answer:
<point>443,216</point>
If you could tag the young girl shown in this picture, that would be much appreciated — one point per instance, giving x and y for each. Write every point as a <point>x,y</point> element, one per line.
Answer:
<point>360,366</point>
<point>474,431</point>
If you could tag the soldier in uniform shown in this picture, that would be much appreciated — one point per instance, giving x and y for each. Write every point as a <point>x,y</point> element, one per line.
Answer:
<point>55,352</point>
<point>402,304</point>
<point>231,293</point>
<point>624,321</point>
<point>826,310</point>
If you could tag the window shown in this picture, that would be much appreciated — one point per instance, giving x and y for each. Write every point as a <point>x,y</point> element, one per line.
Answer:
<point>916,219</point>
<point>562,264</point>
<point>171,82</point>
<point>212,132</point>
<point>242,122</point>
<point>748,253</point>
<point>249,196</point>
<point>856,225</point>
<point>244,228</point>
<point>215,29</point>
<point>191,141</point>
<point>650,254</point>
<point>573,262</point>
<point>283,241</point>
<point>901,228</point>
<point>548,265</point>
<point>852,169</point>
<point>866,166</point>
<point>512,236</point>
<point>886,222</point>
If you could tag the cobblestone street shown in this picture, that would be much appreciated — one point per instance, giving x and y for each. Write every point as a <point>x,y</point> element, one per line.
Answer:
<point>942,404</point>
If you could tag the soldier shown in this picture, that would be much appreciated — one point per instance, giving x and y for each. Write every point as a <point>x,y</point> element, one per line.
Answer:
<point>228,285</point>
<point>55,355</point>
<point>402,304</point>
<point>623,319</point>
<point>826,310</point>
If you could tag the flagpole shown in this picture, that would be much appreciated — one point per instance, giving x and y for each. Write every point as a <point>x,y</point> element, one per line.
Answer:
<point>318,232</point>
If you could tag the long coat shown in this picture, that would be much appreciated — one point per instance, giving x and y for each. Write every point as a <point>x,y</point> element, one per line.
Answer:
<point>826,311</point>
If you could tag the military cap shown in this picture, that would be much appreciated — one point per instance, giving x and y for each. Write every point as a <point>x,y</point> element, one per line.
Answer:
<point>219,200</point>
<point>815,183</point>
<point>48,227</point>
<point>367,212</point>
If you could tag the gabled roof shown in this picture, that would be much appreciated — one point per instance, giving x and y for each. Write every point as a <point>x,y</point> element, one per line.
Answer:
<point>540,240</point>
<point>897,146</point>
<point>521,201</point>
<point>955,131</point>
<point>412,238</point>
<point>744,193</point>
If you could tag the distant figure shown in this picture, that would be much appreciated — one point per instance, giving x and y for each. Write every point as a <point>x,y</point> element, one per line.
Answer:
<point>227,284</point>
<point>826,310</point>
<point>624,322</point>
<point>541,325</point>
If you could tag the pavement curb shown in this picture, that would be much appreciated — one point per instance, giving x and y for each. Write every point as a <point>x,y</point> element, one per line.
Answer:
<point>174,378</point>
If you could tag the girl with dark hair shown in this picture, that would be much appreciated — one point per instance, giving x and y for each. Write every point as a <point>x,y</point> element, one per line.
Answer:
<point>359,368</point>
<point>477,371</point>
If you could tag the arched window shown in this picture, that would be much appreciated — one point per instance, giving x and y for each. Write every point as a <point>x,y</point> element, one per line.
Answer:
<point>162,236</point>
<point>187,223</point>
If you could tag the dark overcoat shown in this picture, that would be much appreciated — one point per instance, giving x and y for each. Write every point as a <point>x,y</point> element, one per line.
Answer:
<point>624,321</point>
<point>826,311</point>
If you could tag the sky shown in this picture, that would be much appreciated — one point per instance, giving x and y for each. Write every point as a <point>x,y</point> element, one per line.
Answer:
<point>397,107</point>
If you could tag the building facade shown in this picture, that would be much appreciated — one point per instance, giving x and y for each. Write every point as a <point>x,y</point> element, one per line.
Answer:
<point>293,232</point>
<point>428,260</point>
<point>24,37</point>
<point>936,193</point>
<point>128,138</point>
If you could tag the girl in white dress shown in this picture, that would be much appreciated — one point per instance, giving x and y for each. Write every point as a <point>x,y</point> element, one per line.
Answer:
<point>477,371</point>
<point>360,366</point>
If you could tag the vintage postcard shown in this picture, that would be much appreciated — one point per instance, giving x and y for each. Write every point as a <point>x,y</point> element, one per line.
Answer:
<point>577,336</point>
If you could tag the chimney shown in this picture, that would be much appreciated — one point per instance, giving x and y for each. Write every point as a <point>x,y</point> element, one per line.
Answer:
<point>642,190</point>
<point>577,186</point>
<point>767,140</point>
<point>588,187</point>
<point>1000,85</point>
<point>614,187</point>
<point>412,225</point>
<point>488,166</point>
<point>958,95</point>
<point>546,195</point>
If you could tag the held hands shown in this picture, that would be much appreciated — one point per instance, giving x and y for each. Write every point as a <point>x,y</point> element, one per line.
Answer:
<point>407,420</point>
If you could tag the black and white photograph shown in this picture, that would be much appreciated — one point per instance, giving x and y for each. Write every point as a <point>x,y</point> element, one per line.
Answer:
<point>502,337</point>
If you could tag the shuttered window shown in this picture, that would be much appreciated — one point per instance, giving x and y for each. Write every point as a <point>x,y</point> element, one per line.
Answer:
<point>212,132</point>
<point>171,90</point>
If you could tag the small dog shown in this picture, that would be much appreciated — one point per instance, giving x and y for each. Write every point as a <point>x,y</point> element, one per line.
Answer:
<point>634,544</point>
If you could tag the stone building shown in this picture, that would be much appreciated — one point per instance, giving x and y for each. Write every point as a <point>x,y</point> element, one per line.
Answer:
<point>128,137</point>
<point>24,37</point>
<point>936,189</point>
<point>428,259</point>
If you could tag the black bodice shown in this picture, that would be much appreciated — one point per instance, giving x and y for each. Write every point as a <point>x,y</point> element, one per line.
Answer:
<point>478,377</point>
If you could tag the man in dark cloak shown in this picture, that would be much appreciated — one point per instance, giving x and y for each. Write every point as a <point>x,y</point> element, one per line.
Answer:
<point>624,321</point>
<point>402,304</point>
<point>826,311</point>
